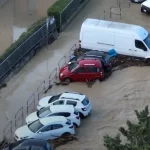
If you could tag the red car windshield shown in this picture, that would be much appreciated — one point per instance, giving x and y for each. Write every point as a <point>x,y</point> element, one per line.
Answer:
<point>73,65</point>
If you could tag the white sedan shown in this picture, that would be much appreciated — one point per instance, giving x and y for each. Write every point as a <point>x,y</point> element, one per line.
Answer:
<point>67,111</point>
<point>45,128</point>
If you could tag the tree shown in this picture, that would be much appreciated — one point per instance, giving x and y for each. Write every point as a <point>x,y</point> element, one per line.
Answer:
<point>137,135</point>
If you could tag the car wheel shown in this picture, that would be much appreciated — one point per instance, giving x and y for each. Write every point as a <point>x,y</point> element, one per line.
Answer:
<point>66,134</point>
<point>81,116</point>
<point>75,125</point>
<point>68,80</point>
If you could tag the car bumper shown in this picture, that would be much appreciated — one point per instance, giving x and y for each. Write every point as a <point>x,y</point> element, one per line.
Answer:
<point>86,113</point>
<point>78,122</point>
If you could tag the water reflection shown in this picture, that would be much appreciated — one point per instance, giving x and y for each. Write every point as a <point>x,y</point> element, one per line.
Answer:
<point>17,15</point>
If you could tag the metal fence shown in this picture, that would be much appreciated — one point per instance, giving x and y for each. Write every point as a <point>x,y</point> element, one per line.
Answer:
<point>44,86</point>
<point>30,46</point>
<point>71,10</point>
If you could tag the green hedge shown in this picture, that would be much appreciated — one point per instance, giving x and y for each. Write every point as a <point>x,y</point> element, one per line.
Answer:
<point>33,28</point>
<point>56,9</point>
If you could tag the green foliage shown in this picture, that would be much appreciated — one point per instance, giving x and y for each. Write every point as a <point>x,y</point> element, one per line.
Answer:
<point>138,135</point>
<point>33,28</point>
<point>56,9</point>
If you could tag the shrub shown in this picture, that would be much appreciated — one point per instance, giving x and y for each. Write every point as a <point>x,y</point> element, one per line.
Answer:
<point>33,28</point>
<point>56,9</point>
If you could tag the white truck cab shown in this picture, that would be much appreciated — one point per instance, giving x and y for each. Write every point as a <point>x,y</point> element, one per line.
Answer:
<point>145,6</point>
<point>126,39</point>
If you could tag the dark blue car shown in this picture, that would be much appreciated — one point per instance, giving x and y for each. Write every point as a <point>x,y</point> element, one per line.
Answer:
<point>105,58</point>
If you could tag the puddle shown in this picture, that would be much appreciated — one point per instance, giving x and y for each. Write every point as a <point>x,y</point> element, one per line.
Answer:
<point>17,15</point>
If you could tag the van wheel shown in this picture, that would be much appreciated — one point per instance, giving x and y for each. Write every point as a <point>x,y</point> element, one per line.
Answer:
<point>68,80</point>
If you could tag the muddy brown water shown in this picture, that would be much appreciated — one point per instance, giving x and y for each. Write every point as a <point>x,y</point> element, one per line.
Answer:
<point>16,16</point>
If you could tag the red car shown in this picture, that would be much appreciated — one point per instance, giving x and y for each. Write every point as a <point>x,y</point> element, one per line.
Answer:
<point>82,70</point>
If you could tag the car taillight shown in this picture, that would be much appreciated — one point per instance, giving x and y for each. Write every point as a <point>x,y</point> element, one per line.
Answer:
<point>84,109</point>
<point>79,43</point>
<point>71,127</point>
<point>78,117</point>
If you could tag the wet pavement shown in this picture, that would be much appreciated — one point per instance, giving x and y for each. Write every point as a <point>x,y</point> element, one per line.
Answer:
<point>17,15</point>
<point>111,106</point>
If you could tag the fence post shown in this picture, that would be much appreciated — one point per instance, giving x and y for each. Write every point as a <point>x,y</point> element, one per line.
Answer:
<point>60,22</point>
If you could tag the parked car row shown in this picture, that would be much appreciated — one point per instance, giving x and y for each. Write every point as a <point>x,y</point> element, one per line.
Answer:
<point>55,116</point>
<point>91,65</point>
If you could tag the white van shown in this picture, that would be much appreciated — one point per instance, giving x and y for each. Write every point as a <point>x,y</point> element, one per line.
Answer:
<point>126,39</point>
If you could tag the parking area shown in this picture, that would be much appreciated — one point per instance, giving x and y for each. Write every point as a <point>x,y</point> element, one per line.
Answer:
<point>113,101</point>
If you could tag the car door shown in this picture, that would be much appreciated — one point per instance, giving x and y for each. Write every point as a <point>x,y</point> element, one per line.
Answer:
<point>124,44</point>
<point>140,49</point>
<point>78,74</point>
<point>56,130</point>
<point>44,133</point>
<point>92,72</point>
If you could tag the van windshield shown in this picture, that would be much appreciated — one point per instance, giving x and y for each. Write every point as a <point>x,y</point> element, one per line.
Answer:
<point>147,41</point>
<point>73,65</point>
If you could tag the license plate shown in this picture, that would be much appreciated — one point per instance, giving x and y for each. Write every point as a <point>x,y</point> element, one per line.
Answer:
<point>144,10</point>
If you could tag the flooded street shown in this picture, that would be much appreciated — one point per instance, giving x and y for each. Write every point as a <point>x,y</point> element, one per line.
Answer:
<point>16,16</point>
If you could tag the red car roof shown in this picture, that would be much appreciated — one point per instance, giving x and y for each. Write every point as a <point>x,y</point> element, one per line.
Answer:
<point>95,62</point>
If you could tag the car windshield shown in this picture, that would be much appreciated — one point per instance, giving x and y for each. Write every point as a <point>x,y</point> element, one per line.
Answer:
<point>72,65</point>
<point>54,98</point>
<point>35,126</point>
<point>43,112</point>
<point>147,41</point>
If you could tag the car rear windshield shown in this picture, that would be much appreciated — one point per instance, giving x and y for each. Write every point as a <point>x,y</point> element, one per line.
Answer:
<point>43,112</point>
<point>35,126</point>
<point>85,101</point>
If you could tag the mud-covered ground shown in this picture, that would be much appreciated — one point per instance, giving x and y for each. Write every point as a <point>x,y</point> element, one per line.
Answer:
<point>113,100</point>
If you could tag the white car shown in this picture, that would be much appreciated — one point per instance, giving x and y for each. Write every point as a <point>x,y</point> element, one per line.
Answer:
<point>79,101</point>
<point>45,128</point>
<point>67,111</point>
<point>145,6</point>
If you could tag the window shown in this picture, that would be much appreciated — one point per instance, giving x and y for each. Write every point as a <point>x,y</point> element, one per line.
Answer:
<point>91,69</point>
<point>37,148</point>
<point>140,45</point>
<point>65,114</point>
<point>56,126</point>
<point>43,112</point>
<point>35,126</point>
<point>61,102</point>
<point>80,70</point>
<point>85,101</point>
<point>47,128</point>
<point>54,98</point>
<point>71,103</point>
<point>54,114</point>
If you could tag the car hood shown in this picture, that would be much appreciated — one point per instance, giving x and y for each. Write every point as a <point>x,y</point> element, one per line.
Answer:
<point>65,70</point>
<point>32,117</point>
<point>24,132</point>
<point>44,101</point>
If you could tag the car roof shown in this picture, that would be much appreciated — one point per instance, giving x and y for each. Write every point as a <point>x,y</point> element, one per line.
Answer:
<point>52,119</point>
<point>90,62</point>
<point>61,108</point>
<point>73,96</point>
